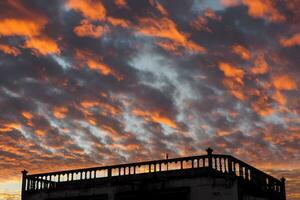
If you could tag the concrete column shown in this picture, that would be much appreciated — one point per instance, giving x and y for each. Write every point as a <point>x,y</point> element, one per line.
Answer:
<point>282,189</point>
<point>24,180</point>
<point>109,172</point>
<point>209,153</point>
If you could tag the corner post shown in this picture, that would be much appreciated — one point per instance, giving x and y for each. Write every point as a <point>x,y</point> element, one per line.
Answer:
<point>24,177</point>
<point>283,188</point>
<point>209,153</point>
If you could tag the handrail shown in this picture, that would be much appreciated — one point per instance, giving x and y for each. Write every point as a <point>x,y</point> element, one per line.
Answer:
<point>223,163</point>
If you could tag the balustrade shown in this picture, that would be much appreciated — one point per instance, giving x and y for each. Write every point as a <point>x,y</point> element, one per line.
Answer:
<point>221,163</point>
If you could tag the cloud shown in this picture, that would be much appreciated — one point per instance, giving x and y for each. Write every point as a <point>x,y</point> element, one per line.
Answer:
<point>96,64</point>
<point>121,3</point>
<point>260,65</point>
<point>42,46</point>
<point>284,82</point>
<point>10,50</point>
<point>90,9</point>
<point>85,83</point>
<point>265,9</point>
<point>21,27</point>
<point>155,117</point>
<point>232,72</point>
<point>86,29</point>
<point>242,52</point>
<point>166,29</point>
<point>292,41</point>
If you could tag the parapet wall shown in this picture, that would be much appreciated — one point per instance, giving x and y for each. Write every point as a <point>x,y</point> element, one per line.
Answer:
<point>206,170</point>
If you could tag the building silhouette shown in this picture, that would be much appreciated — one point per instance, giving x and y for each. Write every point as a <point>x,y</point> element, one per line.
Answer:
<point>204,177</point>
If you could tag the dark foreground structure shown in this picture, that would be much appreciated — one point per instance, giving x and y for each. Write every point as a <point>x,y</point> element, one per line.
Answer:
<point>205,177</point>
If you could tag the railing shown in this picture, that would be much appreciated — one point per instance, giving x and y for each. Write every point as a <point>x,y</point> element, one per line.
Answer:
<point>222,163</point>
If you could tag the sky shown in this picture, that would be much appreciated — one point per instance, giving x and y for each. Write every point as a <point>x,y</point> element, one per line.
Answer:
<point>98,82</point>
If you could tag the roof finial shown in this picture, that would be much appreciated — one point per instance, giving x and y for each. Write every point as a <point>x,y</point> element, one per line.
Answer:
<point>209,151</point>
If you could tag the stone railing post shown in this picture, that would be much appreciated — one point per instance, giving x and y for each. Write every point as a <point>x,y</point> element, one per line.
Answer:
<point>209,153</point>
<point>24,177</point>
<point>282,189</point>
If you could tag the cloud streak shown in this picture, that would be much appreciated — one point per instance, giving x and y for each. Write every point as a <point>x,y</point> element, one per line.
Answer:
<point>88,82</point>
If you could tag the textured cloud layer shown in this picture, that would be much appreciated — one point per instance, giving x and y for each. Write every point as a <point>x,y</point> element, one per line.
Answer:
<point>93,82</point>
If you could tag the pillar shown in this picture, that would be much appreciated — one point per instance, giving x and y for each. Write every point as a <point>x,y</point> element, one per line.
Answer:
<point>24,177</point>
<point>283,188</point>
<point>209,153</point>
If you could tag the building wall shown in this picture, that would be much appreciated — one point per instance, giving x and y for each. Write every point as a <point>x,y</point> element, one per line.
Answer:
<point>191,188</point>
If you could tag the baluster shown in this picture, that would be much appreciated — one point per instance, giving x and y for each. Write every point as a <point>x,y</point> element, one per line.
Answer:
<point>246,174</point>
<point>282,190</point>
<point>220,164</point>
<point>234,168</point>
<point>215,161</point>
<point>109,172</point>
<point>24,180</point>
<point>241,170</point>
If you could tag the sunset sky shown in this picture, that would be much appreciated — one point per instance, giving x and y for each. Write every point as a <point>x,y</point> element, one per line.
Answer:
<point>88,83</point>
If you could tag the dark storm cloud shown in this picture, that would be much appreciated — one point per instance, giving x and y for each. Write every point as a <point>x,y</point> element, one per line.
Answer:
<point>223,77</point>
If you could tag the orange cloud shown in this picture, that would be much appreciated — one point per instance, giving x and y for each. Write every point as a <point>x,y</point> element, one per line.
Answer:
<point>27,115</point>
<point>121,3</point>
<point>118,22</point>
<point>90,9</point>
<point>10,50</point>
<point>105,107</point>
<point>284,82</point>
<point>40,132</point>
<point>89,104</point>
<point>60,112</point>
<point>159,7</point>
<point>235,88</point>
<point>6,127</point>
<point>230,3</point>
<point>264,9</point>
<point>260,65</point>
<point>96,64</point>
<point>169,46</point>
<point>200,24</point>
<point>102,68</point>
<point>232,72</point>
<point>42,45</point>
<point>258,9</point>
<point>279,98</point>
<point>166,29</point>
<point>233,80</point>
<point>262,106</point>
<point>86,29</point>
<point>21,27</point>
<point>242,52</point>
<point>155,117</point>
<point>292,41</point>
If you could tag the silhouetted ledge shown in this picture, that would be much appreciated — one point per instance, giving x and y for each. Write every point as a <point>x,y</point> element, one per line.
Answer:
<point>210,176</point>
